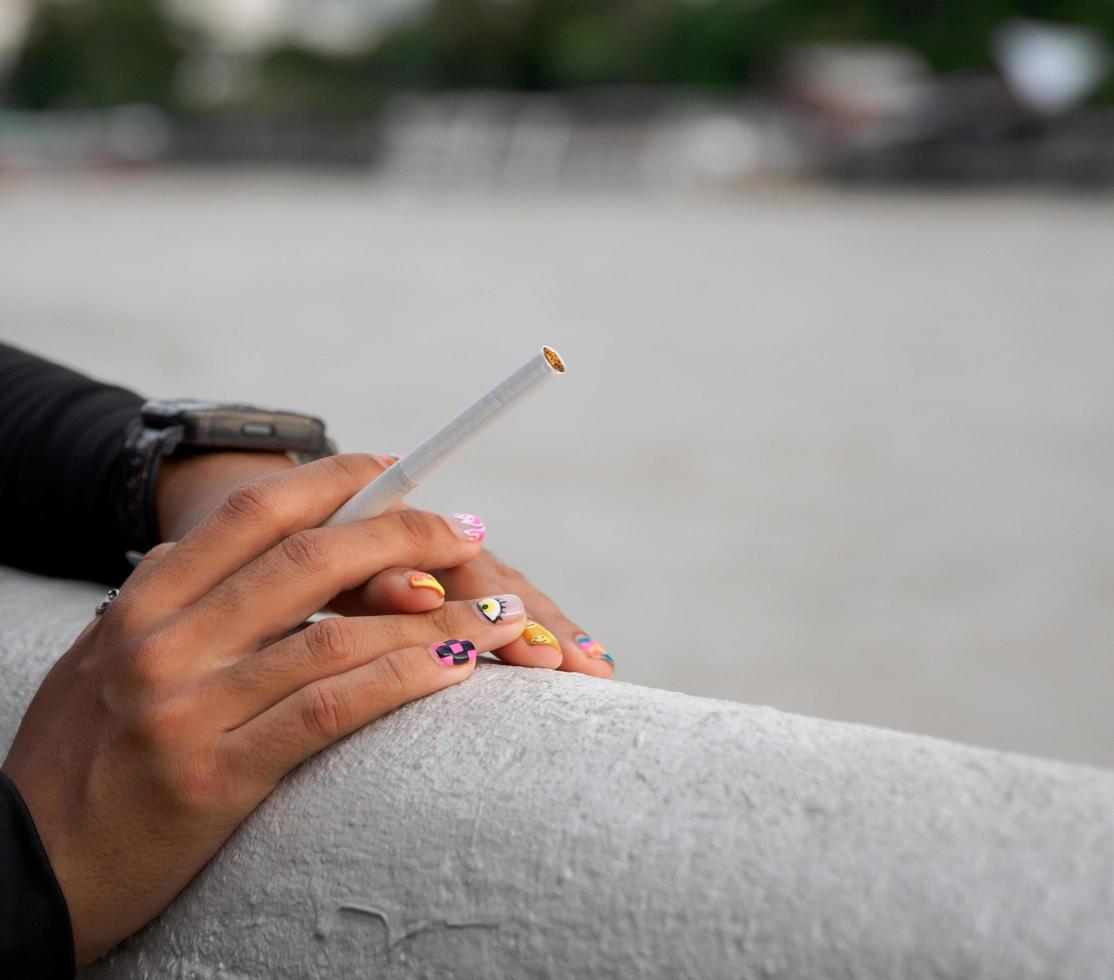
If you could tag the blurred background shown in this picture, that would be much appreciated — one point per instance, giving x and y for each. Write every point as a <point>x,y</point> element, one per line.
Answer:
<point>833,281</point>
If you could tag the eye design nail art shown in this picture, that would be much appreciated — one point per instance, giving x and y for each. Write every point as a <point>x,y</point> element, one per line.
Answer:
<point>537,635</point>
<point>492,608</point>
<point>454,653</point>
<point>592,648</point>
<point>468,526</point>
<point>423,580</point>
<point>499,608</point>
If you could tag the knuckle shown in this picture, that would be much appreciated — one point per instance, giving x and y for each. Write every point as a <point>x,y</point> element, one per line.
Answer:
<point>346,472</point>
<point>306,551</point>
<point>415,529</point>
<point>398,678</point>
<point>195,782</point>
<point>447,621</point>
<point>351,468</point>
<point>148,660</point>
<point>155,724</point>
<point>325,712</point>
<point>394,632</point>
<point>255,502</point>
<point>329,640</point>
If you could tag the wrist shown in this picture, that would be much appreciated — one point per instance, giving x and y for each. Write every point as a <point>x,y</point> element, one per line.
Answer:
<point>217,446</point>
<point>186,489</point>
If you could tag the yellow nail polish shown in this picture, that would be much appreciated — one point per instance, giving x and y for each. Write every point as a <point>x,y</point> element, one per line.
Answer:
<point>537,635</point>
<point>423,580</point>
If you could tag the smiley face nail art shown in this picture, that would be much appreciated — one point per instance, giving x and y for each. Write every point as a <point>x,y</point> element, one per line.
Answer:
<point>454,653</point>
<point>537,635</point>
<point>592,648</point>
<point>500,608</point>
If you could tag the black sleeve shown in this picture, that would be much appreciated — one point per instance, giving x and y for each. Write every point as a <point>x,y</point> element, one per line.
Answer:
<point>61,469</point>
<point>35,937</point>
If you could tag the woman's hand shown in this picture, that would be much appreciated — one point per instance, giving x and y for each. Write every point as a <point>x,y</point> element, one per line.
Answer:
<point>178,710</point>
<point>188,488</point>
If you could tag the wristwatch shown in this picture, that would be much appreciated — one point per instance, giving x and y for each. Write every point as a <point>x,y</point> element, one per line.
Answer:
<point>184,427</point>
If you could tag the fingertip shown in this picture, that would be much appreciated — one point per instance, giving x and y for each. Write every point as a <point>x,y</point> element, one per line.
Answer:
<point>470,528</point>
<point>425,587</point>
<point>454,654</point>
<point>527,650</point>
<point>397,590</point>
<point>583,655</point>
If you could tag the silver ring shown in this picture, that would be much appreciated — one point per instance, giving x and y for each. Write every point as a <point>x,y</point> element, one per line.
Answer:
<point>107,601</point>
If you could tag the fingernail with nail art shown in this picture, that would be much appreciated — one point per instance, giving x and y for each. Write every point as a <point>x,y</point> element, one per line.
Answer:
<point>423,580</point>
<point>467,526</point>
<point>592,648</point>
<point>454,653</point>
<point>501,608</point>
<point>537,635</point>
<point>386,459</point>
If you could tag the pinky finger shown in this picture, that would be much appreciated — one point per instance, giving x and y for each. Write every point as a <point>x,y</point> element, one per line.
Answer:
<point>314,717</point>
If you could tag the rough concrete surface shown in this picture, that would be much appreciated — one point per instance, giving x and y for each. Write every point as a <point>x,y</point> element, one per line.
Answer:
<point>534,824</point>
<point>841,453</point>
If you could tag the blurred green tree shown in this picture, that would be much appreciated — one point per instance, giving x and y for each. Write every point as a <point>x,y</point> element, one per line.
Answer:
<point>96,53</point>
<point>100,52</point>
<point>719,43</point>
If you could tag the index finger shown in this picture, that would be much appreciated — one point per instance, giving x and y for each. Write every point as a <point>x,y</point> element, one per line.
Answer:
<point>252,519</point>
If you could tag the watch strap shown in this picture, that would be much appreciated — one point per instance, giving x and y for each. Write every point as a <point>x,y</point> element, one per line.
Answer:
<point>167,427</point>
<point>143,450</point>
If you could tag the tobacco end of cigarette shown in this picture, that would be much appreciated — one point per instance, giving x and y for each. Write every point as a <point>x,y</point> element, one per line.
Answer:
<point>554,359</point>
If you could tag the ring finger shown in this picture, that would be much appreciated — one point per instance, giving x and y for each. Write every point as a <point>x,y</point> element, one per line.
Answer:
<point>333,646</point>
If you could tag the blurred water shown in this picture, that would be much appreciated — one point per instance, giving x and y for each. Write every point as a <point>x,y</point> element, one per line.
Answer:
<point>844,454</point>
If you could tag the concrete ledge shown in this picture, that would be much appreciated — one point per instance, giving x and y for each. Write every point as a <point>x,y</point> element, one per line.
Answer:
<point>536,824</point>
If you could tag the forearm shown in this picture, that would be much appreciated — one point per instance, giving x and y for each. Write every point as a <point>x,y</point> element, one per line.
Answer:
<point>61,462</point>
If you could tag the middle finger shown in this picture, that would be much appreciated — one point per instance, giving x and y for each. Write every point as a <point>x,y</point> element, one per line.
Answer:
<point>300,574</point>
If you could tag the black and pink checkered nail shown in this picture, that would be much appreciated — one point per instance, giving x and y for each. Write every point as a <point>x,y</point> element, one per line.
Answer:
<point>454,653</point>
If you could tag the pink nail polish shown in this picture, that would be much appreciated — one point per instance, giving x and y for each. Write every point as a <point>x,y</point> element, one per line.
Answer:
<point>454,653</point>
<point>467,526</point>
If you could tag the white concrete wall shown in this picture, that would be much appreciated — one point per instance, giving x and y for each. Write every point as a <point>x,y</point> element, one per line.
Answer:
<point>532,824</point>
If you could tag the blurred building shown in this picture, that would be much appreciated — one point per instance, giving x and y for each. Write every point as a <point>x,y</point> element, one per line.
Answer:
<point>545,92</point>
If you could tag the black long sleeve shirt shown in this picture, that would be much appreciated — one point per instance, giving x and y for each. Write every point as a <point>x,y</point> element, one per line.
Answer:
<point>61,470</point>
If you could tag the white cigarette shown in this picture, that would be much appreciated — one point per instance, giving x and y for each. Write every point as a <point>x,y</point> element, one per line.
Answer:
<point>405,475</point>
